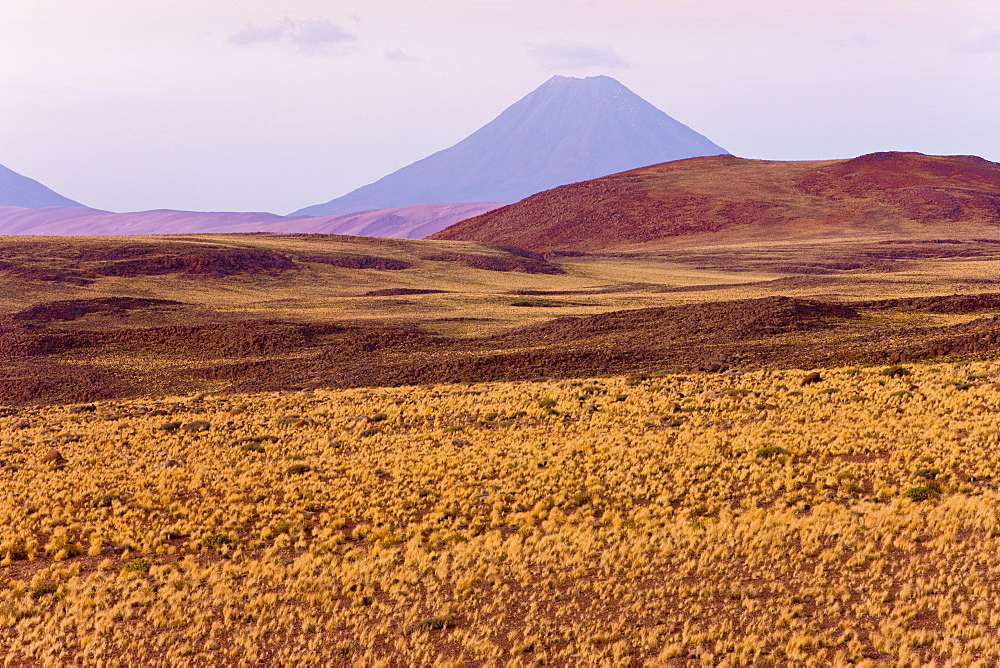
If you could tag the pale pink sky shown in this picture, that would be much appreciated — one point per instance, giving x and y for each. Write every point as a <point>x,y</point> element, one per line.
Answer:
<point>270,105</point>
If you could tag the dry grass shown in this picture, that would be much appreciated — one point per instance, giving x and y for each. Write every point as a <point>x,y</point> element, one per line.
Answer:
<point>727,520</point>
<point>473,301</point>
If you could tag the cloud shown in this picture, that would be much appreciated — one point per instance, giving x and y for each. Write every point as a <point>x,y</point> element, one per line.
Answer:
<point>401,56</point>
<point>981,42</point>
<point>568,57</point>
<point>311,37</point>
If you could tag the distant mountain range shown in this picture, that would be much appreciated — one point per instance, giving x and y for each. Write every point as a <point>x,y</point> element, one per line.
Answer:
<point>713,199</point>
<point>17,190</point>
<point>412,222</point>
<point>565,131</point>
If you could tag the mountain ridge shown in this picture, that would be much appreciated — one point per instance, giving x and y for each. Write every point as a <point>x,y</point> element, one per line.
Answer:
<point>403,222</point>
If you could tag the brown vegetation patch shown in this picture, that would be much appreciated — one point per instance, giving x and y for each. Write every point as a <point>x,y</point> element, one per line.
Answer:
<point>81,262</point>
<point>356,261</point>
<point>717,322</point>
<point>399,292</point>
<point>215,263</point>
<point>938,304</point>
<point>532,264</point>
<point>72,309</point>
<point>42,381</point>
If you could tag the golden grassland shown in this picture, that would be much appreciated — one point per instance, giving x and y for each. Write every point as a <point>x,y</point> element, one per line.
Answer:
<point>768,518</point>
<point>476,301</point>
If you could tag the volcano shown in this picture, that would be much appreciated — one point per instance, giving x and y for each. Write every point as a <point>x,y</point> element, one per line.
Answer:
<point>17,190</point>
<point>565,131</point>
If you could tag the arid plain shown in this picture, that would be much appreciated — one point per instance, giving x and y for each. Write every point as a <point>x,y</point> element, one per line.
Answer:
<point>714,447</point>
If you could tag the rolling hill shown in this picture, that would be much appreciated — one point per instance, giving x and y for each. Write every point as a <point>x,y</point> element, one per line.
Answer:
<point>565,131</point>
<point>411,222</point>
<point>724,198</point>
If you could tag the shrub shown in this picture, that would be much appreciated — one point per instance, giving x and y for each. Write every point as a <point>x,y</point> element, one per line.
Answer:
<point>197,426</point>
<point>138,567</point>
<point>216,540</point>
<point>771,451</point>
<point>922,493</point>
<point>106,500</point>
<point>811,378</point>
<point>895,372</point>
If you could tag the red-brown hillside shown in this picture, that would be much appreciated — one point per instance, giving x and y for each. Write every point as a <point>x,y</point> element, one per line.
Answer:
<point>728,197</point>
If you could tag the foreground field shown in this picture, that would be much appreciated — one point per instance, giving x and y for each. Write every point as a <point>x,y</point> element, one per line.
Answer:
<point>846,516</point>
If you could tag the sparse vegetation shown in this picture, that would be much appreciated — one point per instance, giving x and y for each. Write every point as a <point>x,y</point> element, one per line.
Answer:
<point>617,536</point>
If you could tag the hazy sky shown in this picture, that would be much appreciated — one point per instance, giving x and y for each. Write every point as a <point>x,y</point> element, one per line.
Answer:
<point>275,105</point>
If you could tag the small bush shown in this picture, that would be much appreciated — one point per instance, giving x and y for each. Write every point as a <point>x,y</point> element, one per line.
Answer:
<point>770,452</point>
<point>895,372</point>
<point>138,567</point>
<point>197,426</point>
<point>922,493</point>
<point>547,403</point>
<point>106,500</point>
<point>811,378</point>
<point>216,541</point>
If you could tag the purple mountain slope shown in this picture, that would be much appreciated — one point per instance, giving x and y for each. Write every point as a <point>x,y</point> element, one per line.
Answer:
<point>565,131</point>
<point>414,222</point>
<point>17,190</point>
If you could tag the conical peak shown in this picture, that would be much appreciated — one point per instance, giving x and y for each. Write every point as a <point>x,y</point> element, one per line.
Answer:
<point>600,80</point>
